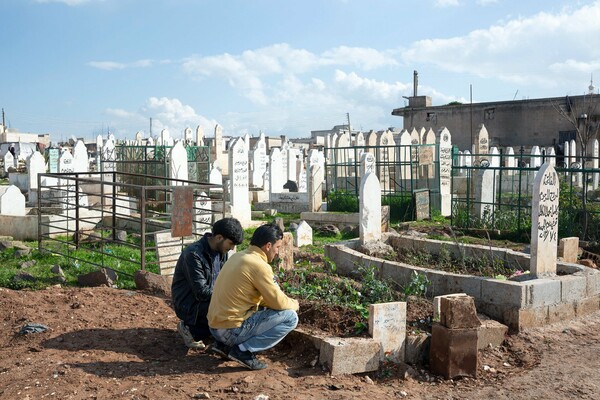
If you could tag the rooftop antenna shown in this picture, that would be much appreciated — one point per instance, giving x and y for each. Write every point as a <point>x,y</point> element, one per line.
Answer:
<point>591,87</point>
<point>415,82</point>
<point>515,96</point>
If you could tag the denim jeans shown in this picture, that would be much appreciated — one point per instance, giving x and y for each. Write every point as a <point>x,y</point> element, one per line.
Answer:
<point>263,330</point>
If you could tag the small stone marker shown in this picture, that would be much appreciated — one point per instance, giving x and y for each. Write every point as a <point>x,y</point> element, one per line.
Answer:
<point>168,250</point>
<point>12,201</point>
<point>422,205</point>
<point>286,252</point>
<point>370,208</point>
<point>303,235</point>
<point>387,325</point>
<point>544,222</point>
<point>568,249</point>
<point>458,312</point>
<point>445,148</point>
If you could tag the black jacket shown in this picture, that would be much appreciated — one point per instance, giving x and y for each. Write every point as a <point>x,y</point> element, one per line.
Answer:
<point>193,281</point>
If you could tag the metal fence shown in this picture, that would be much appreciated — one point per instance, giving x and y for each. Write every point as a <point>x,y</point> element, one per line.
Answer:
<point>120,225</point>
<point>506,207</point>
<point>401,170</point>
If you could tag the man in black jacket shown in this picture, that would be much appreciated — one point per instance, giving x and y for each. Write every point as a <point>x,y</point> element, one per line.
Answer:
<point>195,275</point>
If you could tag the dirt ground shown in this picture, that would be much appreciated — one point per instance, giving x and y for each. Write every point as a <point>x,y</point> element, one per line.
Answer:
<point>107,343</point>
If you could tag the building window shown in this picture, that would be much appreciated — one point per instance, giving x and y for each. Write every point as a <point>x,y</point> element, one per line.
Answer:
<point>488,113</point>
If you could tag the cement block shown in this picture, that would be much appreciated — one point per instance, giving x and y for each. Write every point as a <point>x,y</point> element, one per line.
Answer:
<point>459,312</point>
<point>503,292</point>
<point>592,278</point>
<point>437,306</point>
<point>350,355</point>
<point>561,312</point>
<point>519,319</point>
<point>453,352</point>
<point>572,288</point>
<point>397,272</point>
<point>543,292</point>
<point>568,249</point>
<point>491,333</point>
<point>471,285</point>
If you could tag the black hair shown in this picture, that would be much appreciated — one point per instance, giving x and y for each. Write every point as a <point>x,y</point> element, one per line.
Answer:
<point>268,233</point>
<point>229,228</point>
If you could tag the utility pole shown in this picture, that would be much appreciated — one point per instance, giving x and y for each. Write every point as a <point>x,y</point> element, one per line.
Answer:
<point>3,119</point>
<point>471,112</point>
<point>150,126</point>
<point>348,118</point>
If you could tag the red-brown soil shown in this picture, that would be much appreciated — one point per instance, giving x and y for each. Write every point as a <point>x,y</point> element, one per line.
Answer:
<point>115,344</point>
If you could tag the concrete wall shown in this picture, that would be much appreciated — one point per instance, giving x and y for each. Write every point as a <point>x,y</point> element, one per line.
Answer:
<point>509,123</point>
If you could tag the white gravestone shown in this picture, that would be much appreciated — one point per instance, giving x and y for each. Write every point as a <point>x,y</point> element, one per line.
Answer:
<point>404,155</point>
<point>482,145</point>
<point>259,161</point>
<point>445,148</point>
<point>81,161</point>
<point>302,182</point>
<point>35,165</point>
<point>276,171</point>
<point>187,135</point>
<point>178,163</point>
<point>238,172</point>
<point>387,325</point>
<point>138,138</point>
<point>367,163</point>
<point>199,136</point>
<point>12,201</point>
<point>203,210</point>
<point>315,187</point>
<point>303,235</point>
<point>510,161</point>
<point>494,157</point>
<point>544,222</point>
<point>9,161</point>
<point>370,208</point>
<point>595,175</point>
<point>485,194</point>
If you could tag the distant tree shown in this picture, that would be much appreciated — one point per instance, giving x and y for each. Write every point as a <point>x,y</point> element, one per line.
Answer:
<point>584,117</point>
<point>454,103</point>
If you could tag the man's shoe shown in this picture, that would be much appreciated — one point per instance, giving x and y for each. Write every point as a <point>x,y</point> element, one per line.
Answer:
<point>246,358</point>
<point>188,338</point>
<point>220,349</point>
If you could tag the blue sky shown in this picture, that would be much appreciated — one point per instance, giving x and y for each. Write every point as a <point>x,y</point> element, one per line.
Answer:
<point>82,67</point>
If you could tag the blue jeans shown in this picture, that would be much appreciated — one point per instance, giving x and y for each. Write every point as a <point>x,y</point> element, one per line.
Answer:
<point>263,330</point>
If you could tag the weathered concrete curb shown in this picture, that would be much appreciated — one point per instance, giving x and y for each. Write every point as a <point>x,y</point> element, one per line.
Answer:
<point>520,305</point>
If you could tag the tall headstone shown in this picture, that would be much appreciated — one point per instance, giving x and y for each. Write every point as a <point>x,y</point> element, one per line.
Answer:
<point>216,150</point>
<point>367,163</point>
<point>259,161</point>
<point>35,165</point>
<point>370,209</point>
<point>316,175</point>
<point>109,156</point>
<point>342,154</point>
<point>276,172</point>
<point>238,172</point>
<point>544,222</point>
<point>199,136</point>
<point>138,138</point>
<point>494,157</point>
<point>386,149</point>
<point>187,135</point>
<point>485,194</point>
<point>291,165</point>
<point>536,159</point>
<point>9,161</point>
<point>510,161</point>
<point>80,158</point>
<point>404,155</point>
<point>178,163</point>
<point>445,148</point>
<point>427,154</point>
<point>482,145</point>
<point>203,209</point>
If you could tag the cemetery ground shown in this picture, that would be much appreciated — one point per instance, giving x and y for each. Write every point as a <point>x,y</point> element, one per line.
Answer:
<point>122,343</point>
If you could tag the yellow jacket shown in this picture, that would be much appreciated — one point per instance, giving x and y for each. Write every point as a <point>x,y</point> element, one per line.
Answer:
<point>245,282</point>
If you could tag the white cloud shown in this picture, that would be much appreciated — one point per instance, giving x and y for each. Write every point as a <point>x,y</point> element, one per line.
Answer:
<point>166,113</point>
<point>384,92</point>
<point>247,71</point>
<point>114,65</point>
<point>446,3</point>
<point>523,51</point>
<point>486,2</point>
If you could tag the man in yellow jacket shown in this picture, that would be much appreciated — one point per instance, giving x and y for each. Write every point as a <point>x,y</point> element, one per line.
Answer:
<point>248,311</point>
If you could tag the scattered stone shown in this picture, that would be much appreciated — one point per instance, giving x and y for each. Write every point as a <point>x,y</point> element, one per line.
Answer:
<point>121,235</point>
<point>588,263</point>
<point>22,252</point>
<point>57,270</point>
<point>328,230</point>
<point>5,245</point>
<point>376,249</point>
<point>103,277</point>
<point>402,393</point>
<point>293,227</point>
<point>202,396</point>
<point>369,381</point>
<point>28,264</point>
<point>351,230</point>
<point>271,212</point>
<point>412,232</point>
<point>459,312</point>
<point>279,222</point>
<point>154,283</point>
<point>261,397</point>
<point>23,277</point>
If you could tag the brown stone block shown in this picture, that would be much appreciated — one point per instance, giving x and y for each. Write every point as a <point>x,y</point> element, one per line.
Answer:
<point>453,352</point>
<point>458,312</point>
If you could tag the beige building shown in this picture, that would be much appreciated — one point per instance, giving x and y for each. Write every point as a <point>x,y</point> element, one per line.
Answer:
<point>509,123</point>
<point>8,135</point>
